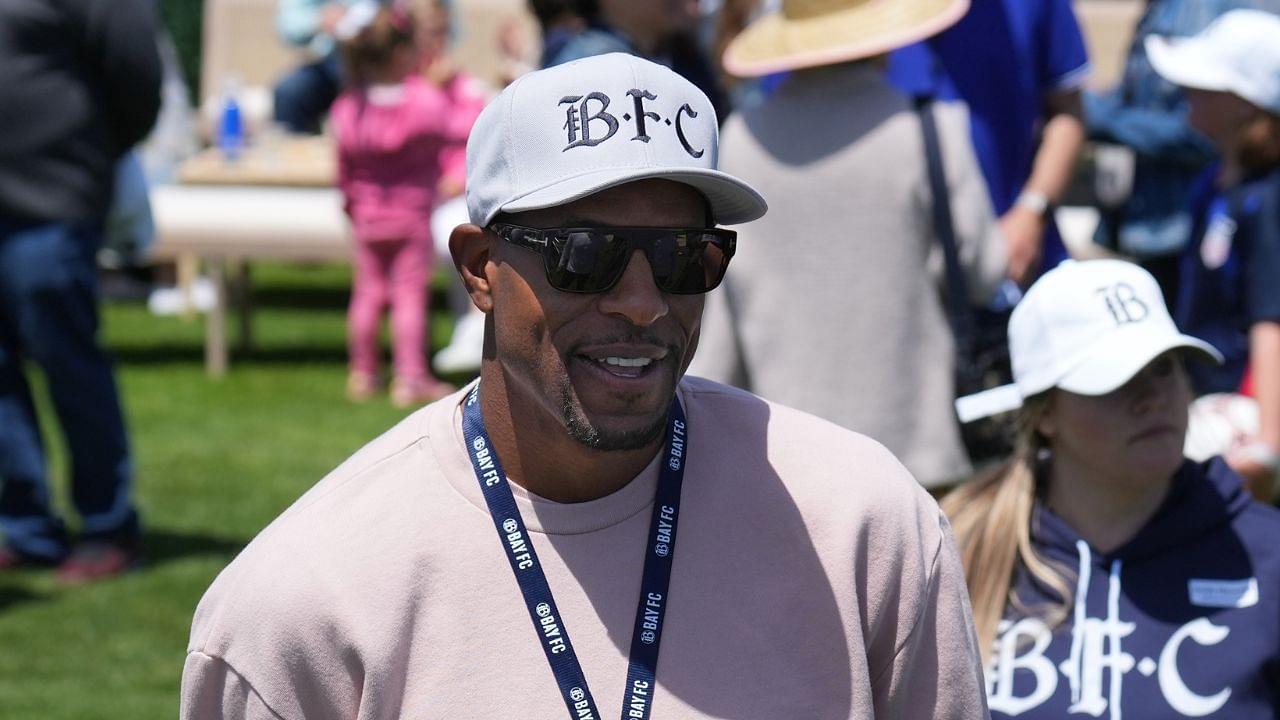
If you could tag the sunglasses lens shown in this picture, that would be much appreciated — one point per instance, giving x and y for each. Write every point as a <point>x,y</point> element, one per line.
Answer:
<point>684,262</point>
<point>688,262</point>
<point>584,261</point>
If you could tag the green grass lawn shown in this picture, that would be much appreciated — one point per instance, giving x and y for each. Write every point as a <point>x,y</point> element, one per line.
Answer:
<point>216,460</point>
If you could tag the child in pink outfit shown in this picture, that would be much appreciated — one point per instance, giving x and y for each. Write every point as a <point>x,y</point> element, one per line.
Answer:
<point>398,139</point>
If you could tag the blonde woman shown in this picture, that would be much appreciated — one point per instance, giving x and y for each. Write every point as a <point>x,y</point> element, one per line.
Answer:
<point>1110,577</point>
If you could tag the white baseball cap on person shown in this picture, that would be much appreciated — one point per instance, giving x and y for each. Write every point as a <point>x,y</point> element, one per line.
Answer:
<point>563,133</point>
<point>1239,52</point>
<point>1086,327</point>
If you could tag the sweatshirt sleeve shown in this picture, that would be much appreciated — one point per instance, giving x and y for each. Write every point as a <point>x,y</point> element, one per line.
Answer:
<point>213,690</point>
<point>465,103</point>
<point>340,117</point>
<point>936,671</point>
<point>122,39</point>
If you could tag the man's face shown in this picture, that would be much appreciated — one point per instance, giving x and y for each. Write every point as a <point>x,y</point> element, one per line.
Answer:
<point>605,366</point>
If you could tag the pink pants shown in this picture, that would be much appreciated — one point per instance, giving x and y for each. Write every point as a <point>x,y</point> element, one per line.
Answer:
<point>390,272</point>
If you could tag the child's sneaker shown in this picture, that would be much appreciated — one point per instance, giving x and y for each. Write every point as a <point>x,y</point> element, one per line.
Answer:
<point>361,386</point>
<point>407,393</point>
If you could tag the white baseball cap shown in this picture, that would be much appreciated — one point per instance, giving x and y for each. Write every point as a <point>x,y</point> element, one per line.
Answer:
<point>1086,327</point>
<point>1239,52</point>
<point>563,133</point>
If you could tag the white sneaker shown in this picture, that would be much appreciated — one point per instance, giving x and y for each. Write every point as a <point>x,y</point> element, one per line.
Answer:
<point>170,300</point>
<point>465,347</point>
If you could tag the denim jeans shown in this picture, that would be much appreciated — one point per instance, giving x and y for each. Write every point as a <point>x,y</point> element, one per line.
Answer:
<point>49,317</point>
<point>303,96</point>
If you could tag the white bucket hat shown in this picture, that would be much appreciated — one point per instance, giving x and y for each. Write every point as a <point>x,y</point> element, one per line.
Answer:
<point>556,135</point>
<point>1086,327</point>
<point>1238,53</point>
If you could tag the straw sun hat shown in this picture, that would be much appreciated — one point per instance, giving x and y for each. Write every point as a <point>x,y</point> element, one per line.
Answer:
<point>809,33</point>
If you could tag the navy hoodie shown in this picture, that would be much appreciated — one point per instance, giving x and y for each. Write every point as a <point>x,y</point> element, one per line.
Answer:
<point>1181,621</point>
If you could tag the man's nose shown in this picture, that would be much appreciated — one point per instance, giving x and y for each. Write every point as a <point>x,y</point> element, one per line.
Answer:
<point>635,296</point>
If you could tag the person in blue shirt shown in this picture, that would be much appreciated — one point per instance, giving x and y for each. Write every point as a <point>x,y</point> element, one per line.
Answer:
<point>1230,293</point>
<point>1019,65</point>
<point>302,97</point>
<point>1110,576</point>
<point>659,31</point>
<point>1148,115</point>
<point>571,30</point>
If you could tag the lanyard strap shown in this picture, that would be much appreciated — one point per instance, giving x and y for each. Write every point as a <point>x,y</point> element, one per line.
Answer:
<point>642,667</point>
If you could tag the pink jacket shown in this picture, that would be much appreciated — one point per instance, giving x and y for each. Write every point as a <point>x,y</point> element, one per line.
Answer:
<point>392,155</point>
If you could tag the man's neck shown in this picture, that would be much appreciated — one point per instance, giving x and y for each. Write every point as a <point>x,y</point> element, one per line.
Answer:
<point>1230,173</point>
<point>646,45</point>
<point>539,455</point>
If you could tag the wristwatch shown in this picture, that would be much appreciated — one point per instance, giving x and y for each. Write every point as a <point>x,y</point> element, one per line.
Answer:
<point>1037,202</point>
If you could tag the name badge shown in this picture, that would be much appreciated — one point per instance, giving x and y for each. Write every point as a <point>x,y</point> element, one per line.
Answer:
<point>1215,249</point>
<point>1223,593</point>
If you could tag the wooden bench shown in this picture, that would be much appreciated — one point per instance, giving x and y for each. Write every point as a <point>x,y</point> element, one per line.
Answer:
<point>225,227</point>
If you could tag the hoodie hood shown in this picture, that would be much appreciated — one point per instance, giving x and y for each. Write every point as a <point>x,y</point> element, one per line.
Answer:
<point>1203,498</point>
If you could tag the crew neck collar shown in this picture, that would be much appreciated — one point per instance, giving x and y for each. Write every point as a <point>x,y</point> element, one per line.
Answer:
<point>540,514</point>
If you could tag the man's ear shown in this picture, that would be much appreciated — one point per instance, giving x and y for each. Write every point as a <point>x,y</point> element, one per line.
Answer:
<point>470,246</point>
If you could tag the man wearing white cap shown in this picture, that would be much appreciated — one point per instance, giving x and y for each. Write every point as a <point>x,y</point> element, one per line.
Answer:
<point>525,547</point>
<point>1110,576</point>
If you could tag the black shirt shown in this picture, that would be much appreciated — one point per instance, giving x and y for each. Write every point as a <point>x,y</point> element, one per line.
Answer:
<point>79,86</point>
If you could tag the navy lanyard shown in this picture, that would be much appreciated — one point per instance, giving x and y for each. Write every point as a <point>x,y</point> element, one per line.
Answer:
<point>642,667</point>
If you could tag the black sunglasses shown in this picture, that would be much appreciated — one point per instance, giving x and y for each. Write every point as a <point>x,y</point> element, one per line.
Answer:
<point>685,261</point>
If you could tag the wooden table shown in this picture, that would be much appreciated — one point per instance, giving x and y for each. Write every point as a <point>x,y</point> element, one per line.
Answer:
<point>276,201</point>
<point>281,161</point>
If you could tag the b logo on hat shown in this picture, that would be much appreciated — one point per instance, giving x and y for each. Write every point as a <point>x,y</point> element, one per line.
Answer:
<point>1124,304</point>
<point>580,114</point>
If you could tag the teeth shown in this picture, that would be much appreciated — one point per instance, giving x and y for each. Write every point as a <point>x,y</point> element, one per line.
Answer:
<point>626,362</point>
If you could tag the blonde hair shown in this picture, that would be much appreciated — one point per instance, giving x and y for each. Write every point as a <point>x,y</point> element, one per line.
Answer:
<point>991,519</point>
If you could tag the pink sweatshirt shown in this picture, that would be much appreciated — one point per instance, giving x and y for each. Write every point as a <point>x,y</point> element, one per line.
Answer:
<point>813,578</point>
<point>395,143</point>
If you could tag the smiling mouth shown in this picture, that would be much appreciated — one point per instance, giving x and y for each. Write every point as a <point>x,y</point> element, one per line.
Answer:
<point>625,362</point>
<point>622,366</point>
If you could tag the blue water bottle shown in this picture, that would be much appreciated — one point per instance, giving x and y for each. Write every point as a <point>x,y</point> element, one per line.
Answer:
<point>230,122</point>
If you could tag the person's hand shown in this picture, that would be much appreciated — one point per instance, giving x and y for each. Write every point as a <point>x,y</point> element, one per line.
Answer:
<point>439,69</point>
<point>450,187</point>
<point>1024,234</point>
<point>1259,476</point>
<point>330,15</point>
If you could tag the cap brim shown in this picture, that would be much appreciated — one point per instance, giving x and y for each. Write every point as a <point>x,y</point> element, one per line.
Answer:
<point>988,402</point>
<point>1111,364</point>
<point>732,200</point>
<point>1185,62</point>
